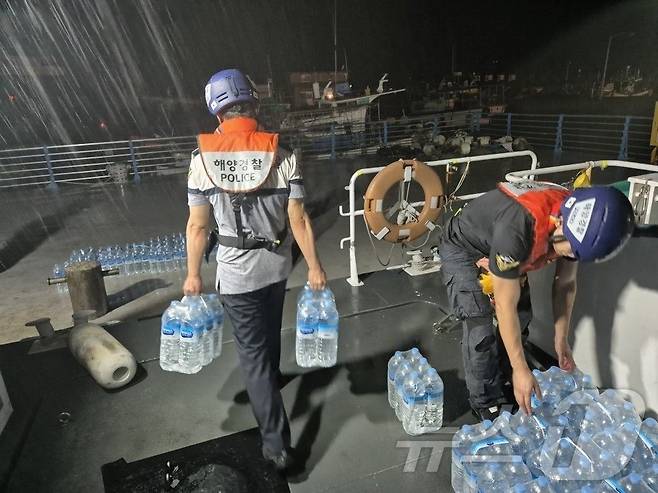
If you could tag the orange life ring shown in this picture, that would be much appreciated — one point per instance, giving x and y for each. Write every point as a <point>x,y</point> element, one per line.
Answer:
<point>391,175</point>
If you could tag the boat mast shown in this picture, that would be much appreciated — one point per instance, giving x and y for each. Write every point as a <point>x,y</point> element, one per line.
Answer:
<point>335,43</point>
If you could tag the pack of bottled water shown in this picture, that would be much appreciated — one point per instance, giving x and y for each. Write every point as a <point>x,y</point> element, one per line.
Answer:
<point>191,333</point>
<point>577,440</point>
<point>316,341</point>
<point>165,253</point>
<point>415,392</point>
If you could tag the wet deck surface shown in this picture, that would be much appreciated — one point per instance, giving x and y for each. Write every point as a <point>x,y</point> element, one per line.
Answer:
<point>342,426</point>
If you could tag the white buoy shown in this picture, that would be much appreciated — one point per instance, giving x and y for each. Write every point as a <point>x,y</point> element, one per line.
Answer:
<point>104,357</point>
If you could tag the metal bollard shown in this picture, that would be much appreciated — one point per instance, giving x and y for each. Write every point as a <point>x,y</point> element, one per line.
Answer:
<point>86,286</point>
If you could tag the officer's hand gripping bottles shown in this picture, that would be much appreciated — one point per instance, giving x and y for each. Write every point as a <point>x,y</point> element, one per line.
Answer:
<point>191,333</point>
<point>316,342</point>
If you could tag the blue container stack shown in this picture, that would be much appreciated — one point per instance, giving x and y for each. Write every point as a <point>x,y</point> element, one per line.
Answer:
<point>316,341</point>
<point>191,333</point>
<point>415,392</point>
<point>577,440</point>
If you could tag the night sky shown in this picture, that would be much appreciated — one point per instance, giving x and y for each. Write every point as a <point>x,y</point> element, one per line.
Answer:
<point>67,65</point>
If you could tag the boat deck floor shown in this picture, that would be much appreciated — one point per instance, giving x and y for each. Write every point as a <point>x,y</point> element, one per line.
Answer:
<point>346,434</point>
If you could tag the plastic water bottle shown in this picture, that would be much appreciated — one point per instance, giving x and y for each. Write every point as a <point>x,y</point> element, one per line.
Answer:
<point>649,431</point>
<point>539,485</point>
<point>327,338</point>
<point>59,271</point>
<point>422,366</point>
<point>413,356</point>
<point>207,349</point>
<point>433,419</point>
<point>639,448</point>
<point>393,365</point>
<point>307,328</point>
<point>633,483</point>
<point>400,377</point>
<point>495,476</point>
<point>170,336</point>
<point>217,310</point>
<point>413,404</point>
<point>305,291</point>
<point>460,447</point>
<point>192,325</point>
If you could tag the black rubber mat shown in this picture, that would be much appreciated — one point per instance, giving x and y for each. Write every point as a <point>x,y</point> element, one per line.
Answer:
<point>232,463</point>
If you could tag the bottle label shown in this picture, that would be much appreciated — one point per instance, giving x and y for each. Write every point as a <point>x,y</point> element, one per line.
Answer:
<point>306,329</point>
<point>187,332</point>
<point>167,331</point>
<point>488,442</point>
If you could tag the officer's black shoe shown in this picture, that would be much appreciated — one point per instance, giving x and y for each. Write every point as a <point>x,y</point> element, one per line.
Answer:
<point>485,413</point>
<point>282,460</point>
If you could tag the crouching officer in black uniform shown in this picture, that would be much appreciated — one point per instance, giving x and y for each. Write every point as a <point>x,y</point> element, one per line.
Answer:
<point>509,231</point>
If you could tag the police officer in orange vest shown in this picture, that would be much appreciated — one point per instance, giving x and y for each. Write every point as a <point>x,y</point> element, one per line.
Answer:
<point>256,191</point>
<point>509,231</point>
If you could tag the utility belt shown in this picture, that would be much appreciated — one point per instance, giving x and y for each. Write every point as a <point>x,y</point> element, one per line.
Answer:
<point>249,241</point>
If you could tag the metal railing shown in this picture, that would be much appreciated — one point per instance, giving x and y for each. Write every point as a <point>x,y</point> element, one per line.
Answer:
<point>599,135</point>
<point>93,162</point>
<point>602,136</point>
<point>50,165</point>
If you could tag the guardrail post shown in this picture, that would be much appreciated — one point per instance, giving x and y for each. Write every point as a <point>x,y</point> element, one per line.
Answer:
<point>53,184</point>
<point>136,178</point>
<point>509,124</point>
<point>333,141</point>
<point>623,145</point>
<point>557,149</point>
<point>385,133</point>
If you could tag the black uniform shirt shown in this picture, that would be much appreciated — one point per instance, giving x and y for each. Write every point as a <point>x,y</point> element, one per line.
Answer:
<point>494,226</point>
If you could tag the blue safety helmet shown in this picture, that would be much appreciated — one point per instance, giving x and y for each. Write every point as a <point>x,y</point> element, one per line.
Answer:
<point>227,88</point>
<point>597,221</point>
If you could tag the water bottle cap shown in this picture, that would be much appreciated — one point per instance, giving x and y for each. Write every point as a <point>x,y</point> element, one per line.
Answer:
<point>634,478</point>
<point>398,353</point>
<point>563,420</point>
<point>542,481</point>
<point>422,360</point>
<point>520,488</point>
<point>415,351</point>
<point>506,414</point>
<point>630,427</point>
<point>586,489</point>
<point>487,423</point>
<point>536,372</point>
<point>432,372</point>
<point>650,422</point>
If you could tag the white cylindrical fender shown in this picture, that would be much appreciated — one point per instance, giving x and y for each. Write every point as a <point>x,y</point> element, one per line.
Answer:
<point>105,358</point>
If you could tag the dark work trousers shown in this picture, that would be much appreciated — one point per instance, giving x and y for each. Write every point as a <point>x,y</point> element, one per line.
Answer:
<point>484,356</point>
<point>256,320</point>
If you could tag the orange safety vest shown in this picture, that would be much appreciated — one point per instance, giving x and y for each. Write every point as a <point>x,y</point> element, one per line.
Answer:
<point>238,158</point>
<point>542,200</point>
